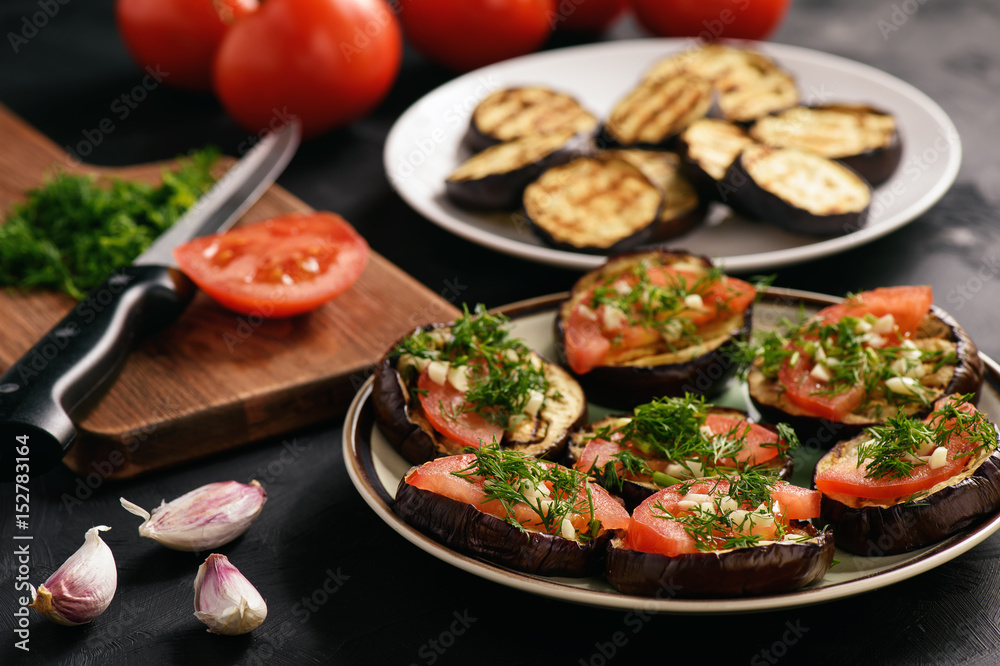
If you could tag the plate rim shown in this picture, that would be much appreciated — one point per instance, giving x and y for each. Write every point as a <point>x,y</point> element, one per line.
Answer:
<point>735,263</point>
<point>360,468</point>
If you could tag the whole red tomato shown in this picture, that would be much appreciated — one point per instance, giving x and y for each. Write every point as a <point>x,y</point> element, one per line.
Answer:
<point>327,62</point>
<point>711,19</point>
<point>179,37</point>
<point>465,34</point>
<point>588,15</point>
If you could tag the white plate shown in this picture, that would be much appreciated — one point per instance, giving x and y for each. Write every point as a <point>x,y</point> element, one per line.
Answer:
<point>423,147</point>
<point>376,469</point>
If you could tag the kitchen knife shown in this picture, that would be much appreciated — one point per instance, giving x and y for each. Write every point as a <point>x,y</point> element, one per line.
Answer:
<point>42,391</point>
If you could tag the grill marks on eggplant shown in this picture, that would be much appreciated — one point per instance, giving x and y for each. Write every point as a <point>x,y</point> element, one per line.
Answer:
<point>712,145</point>
<point>681,208</point>
<point>864,138</point>
<point>748,84</point>
<point>659,109</point>
<point>593,203</point>
<point>806,181</point>
<point>514,113</point>
<point>496,177</point>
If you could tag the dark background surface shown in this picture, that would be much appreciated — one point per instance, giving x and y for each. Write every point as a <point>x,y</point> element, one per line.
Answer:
<point>394,604</point>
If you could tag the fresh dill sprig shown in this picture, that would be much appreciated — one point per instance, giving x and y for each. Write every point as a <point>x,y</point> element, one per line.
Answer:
<point>552,492</point>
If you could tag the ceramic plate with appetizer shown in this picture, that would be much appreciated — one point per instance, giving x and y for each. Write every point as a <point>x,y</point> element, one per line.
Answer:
<point>393,440</point>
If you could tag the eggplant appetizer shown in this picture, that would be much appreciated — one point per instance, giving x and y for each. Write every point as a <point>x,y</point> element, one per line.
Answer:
<point>749,85</point>
<point>723,536</point>
<point>877,354</point>
<point>447,387</point>
<point>709,147</point>
<point>513,510</point>
<point>863,138</point>
<point>495,178</point>
<point>657,110</point>
<point>650,324</point>
<point>908,483</point>
<point>515,113</point>
<point>596,204</point>
<point>798,191</point>
<point>672,439</point>
<point>682,209</point>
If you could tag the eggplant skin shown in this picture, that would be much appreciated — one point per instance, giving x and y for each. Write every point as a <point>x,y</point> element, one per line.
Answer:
<point>465,528</point>
<point>409,432</point>
<point>874,531</point>
<point>815,432</point>
<point>739,190</point>
<point>502,190</point>
<point>766,569</point>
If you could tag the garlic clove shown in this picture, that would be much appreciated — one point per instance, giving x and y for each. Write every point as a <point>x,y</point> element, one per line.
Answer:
<point>83,587</point>
<point>203,519</point>
<point>225,600</point>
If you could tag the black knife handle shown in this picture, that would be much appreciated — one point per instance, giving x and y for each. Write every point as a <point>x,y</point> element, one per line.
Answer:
<point>42,391</point>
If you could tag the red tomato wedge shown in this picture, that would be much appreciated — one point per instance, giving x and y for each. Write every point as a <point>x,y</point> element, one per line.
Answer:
<point>279,267</point>
<point>649,532</point>
<point>908,306</point>
<point>591,340</point>
<point>438,476</point>
<point>443,405</point>
<point>846,478</point>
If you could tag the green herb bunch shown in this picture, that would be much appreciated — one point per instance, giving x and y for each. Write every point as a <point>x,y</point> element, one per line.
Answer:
<point>72,232</point>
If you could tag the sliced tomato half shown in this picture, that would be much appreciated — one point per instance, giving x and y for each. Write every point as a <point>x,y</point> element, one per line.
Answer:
<point>760,443</point>
<point>279,267</point>
<point>813,395</point>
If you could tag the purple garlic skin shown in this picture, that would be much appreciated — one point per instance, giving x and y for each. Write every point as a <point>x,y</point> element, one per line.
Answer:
<point>83,587</point>
<point>225,600</point>
<point>203,519</point>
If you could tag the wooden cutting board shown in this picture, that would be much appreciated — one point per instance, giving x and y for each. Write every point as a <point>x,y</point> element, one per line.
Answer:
<point>214,380</point>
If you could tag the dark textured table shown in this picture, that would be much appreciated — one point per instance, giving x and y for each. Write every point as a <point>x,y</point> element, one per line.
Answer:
<point>341,586</point>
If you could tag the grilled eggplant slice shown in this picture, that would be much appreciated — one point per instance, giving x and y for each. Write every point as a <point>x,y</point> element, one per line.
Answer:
<point>542,432</point>
<point>653,323</point>
<point>592,448</point>
<point>495,178</point>
<point>947,362</point>
<point>903,519</point>
<point>862,137</point>
<point>695,540</point>
<point>515,113</point>
<point>657,110</point>
<point>556,536</point>
<point>708,148</point>
<point>594,204</point>
<point>682,208</point>
<point>749,85</point>
<point>798,191</point>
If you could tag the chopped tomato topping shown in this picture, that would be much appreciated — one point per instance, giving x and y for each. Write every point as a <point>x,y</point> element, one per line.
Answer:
<point>596,335</point>
<point>908,307</point>
<point>907,304</point>
<point>650,532</point>
<point>846,477</point>
<point>443,405</point>
<point>438,476</point>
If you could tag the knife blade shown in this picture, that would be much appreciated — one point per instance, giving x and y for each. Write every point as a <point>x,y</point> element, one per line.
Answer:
<point>42,392</point>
